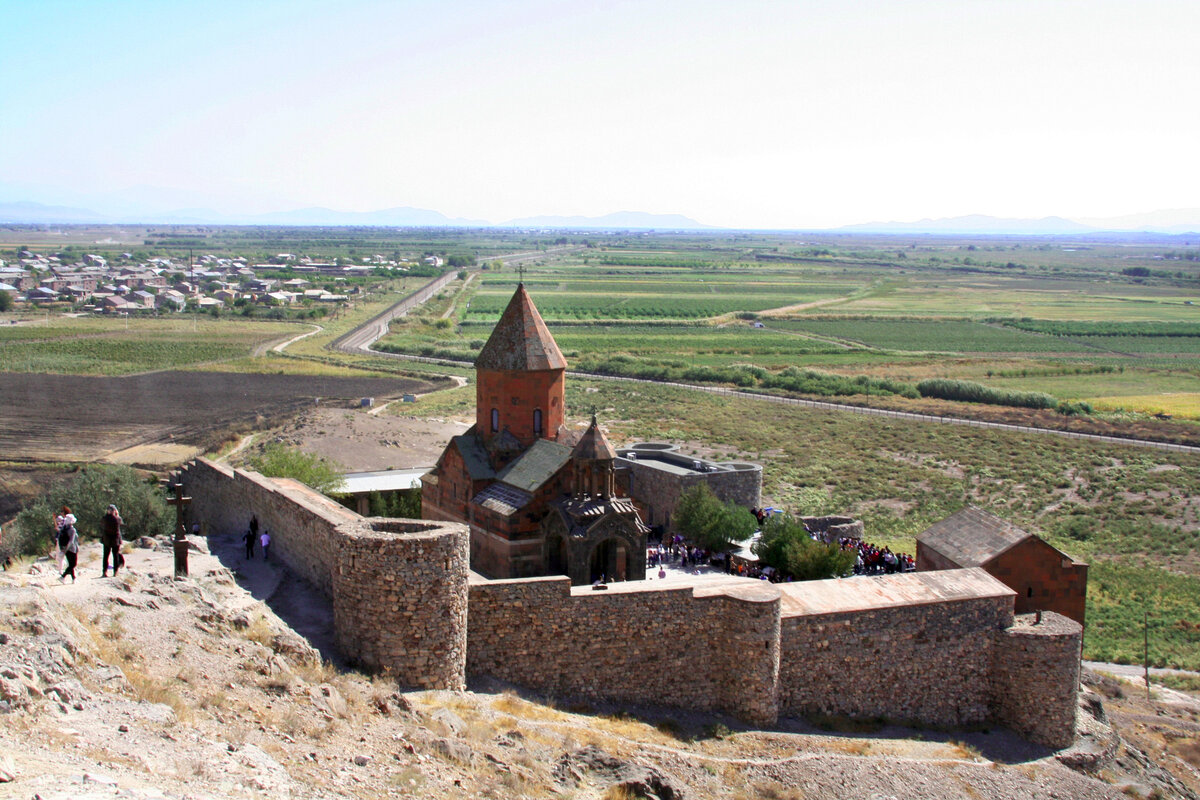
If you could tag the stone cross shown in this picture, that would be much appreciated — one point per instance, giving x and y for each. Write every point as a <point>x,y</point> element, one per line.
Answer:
<point>181,545</point>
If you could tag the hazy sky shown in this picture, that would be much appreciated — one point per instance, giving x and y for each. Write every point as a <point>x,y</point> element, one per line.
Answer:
<point>746,113</point>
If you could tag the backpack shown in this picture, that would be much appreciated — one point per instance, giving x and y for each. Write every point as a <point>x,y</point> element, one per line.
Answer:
<point>65,533</point>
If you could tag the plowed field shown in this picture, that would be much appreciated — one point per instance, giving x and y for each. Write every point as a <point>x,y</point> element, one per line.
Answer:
<point>71,418</point>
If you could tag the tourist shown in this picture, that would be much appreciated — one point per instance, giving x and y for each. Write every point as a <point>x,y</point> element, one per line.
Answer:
<point>248,537</point>
<point>110,538</point>
<point>68,543</point>
<point>265,542</point>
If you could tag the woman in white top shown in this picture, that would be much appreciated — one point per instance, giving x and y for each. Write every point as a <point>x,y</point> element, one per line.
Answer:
<point>68,541</point>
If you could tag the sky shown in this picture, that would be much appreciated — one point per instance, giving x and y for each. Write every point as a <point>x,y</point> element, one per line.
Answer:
<point>749,113</point>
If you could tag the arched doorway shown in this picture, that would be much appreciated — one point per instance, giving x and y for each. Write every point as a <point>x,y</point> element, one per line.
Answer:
<point>558,557</point>
<point>610,560</point>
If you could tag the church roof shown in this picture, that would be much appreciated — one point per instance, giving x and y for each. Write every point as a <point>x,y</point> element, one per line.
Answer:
<point>594,446</point>
<point>475,456</point>
<point>972,537</point>
<point>502,499</point>
<point>520,340</point>
<point>536,465</point>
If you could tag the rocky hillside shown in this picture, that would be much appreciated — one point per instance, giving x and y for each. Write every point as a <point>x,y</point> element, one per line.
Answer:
<point>143,686</point>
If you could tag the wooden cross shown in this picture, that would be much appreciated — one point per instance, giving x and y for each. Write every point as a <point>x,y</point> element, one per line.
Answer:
<point>179,501</point>
<point>521,272</point>
<point>181,545</point>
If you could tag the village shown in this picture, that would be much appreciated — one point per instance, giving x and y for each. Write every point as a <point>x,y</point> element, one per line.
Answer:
<point>128,284</point>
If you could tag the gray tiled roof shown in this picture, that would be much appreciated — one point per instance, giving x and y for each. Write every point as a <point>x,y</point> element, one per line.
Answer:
<point>972,537</point>
<point>536,465</point>
<point>475,456</point>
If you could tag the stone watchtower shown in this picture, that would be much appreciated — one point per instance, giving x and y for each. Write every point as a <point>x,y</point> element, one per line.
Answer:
<point>519,378</point>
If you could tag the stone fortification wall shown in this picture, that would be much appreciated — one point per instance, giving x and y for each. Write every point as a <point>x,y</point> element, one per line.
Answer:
<point>399,587</point>
<point>716,651</point>
<point>400,600</point>
<point>1035,678</point>
<point>833,529</point>
<point>302,522</point>
<point>934,648</point>
<point>656,474</point>
<point>924,663</point>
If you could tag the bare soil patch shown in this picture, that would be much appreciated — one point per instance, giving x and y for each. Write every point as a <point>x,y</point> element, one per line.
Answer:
<point>363,442</point>
<point>71,418</point>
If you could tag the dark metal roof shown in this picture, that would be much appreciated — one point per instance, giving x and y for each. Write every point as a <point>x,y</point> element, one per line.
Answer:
<point>594,446</point>
<point>972,537</point>
<point>536,465</point>
<point>503,499</point>
<point>475,456</point>
<point>520,340</point>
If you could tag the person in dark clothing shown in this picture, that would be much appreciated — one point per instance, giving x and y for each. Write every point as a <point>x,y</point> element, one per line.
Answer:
<point>248,537</point>
<point>254,525</point>
<point>110,538</point>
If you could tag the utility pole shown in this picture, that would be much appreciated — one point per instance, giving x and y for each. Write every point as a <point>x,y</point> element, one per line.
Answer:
<point>1146,650</point>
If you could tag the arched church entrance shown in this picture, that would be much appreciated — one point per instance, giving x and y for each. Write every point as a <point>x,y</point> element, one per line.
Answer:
<point>558,557</point>
<point>611,560</point>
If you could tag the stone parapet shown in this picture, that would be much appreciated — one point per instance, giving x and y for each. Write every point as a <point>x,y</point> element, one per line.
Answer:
<point>398,586</point>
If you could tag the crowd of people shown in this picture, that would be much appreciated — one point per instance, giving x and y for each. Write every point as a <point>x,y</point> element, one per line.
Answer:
<point>874,560</point>
<point>870,559</point>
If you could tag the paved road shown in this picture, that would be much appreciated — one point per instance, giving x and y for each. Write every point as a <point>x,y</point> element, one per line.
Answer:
<point>361,338</point>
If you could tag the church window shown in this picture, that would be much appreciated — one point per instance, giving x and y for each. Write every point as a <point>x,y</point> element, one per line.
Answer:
<point>537,421</point>
<point>495,420</point>
<point>553,402</point>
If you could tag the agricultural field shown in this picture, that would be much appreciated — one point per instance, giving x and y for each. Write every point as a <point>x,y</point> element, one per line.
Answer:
<point>719,317</point>
<point>103,346</point>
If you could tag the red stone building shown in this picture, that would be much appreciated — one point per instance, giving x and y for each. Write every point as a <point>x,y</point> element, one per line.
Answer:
<point>1044,578</point>
<point>537,501</point>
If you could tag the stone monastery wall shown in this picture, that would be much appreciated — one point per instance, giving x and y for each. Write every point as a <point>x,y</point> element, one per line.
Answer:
<point>399,587</point>
<point>926,662</point>
<point>712,651</point>
<point>931,648</point>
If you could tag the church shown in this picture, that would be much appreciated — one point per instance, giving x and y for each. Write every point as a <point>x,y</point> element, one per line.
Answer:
<point>539,499</point>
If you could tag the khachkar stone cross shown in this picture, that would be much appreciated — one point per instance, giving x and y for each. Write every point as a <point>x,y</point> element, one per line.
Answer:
<point>180,543</point>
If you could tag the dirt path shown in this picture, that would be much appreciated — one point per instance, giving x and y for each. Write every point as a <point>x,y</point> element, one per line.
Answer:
<point>782,310</point>
<point>278,347</point>
<point>454,303</point>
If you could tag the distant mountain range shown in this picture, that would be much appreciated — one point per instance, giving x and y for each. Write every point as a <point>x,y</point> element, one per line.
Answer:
<point>24,212</point>
<point>1171,221</point>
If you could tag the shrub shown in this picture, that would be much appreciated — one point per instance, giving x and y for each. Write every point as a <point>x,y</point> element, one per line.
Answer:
<point>787,546</point>
<point>279,461</point>
<point>141,502</point>
<point>971,392</point>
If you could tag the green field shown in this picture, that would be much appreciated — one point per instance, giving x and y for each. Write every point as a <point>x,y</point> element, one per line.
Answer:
<point>96,346</point>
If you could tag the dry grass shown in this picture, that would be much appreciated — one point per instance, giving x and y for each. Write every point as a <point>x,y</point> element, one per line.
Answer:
<point>259,630</point>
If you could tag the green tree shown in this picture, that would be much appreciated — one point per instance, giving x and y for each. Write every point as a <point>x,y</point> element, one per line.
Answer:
<point>711,524</point>
<point>6,301</point>
<point>141,502</point>
<point>787,546</point>
<point>279,461</point>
